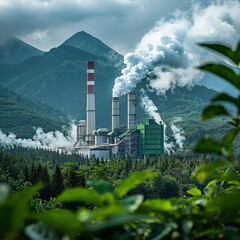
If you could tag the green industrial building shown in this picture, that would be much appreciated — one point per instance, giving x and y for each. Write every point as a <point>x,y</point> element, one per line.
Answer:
<point>151,138</point>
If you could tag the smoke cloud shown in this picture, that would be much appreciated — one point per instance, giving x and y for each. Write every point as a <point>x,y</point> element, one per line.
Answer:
<point>149,107</point>
<point>168,54</point>
<point>178,132</point>
<point>50,140</point>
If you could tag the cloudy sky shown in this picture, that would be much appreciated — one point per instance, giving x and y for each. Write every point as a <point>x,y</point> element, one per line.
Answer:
<point>119,23</point>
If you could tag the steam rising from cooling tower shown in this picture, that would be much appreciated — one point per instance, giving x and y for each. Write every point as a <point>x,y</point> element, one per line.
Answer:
<point>168,54</point>
<point>177,132</point>
<point>149,107</point>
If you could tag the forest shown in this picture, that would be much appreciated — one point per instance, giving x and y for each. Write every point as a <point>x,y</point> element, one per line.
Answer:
<point>47,195</point>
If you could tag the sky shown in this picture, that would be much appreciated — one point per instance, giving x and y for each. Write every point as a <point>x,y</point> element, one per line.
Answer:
<point>118,23</point>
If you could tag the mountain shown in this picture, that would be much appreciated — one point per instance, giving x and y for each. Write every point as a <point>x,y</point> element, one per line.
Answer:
<point>19,115</point>
<point>14,50</point>
<point>90,44</point>
<point>58,78</point>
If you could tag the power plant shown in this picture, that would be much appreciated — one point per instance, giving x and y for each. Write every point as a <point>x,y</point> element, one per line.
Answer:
<point>137,140</point>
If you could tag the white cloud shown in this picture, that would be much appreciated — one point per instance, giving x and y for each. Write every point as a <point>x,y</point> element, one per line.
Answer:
<point>119,23</point>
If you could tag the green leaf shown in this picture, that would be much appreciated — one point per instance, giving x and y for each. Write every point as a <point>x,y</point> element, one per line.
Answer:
<point>203,172</point>
<point>79,195</point>
<point>207,144</point>
<point>104,213</point>
<point>224,72</point>
<point>214,111</point>
<point>157,205</point>
<point>228,204</point>
<point>133,202</point>
<point>63,221</point>
<point>119,220</point>
<point>225,50</point>
<point>235,122</point>
<point>229,137</point>
<point>209,189</point>
<point>194,192</point>
<point>101,186</point>
<point>14,211</point>
<point>132,181</point>
<point>226,98</point>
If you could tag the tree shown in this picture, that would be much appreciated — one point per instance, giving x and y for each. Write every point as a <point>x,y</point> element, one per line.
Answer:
<point>57,181</point>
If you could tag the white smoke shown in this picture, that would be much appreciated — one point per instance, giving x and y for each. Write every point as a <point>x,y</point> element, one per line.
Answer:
<point>168,54</point>
<point>178,132</point>
<point>149,107</point>
<point>51,140</point>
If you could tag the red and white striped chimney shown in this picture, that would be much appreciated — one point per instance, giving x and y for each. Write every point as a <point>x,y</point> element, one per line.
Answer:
<point>90,110</point>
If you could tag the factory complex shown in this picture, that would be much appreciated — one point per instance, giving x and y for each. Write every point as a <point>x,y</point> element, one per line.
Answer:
<point>136,140</point>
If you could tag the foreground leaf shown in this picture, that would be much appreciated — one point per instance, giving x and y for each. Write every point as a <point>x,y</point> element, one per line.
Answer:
<point>132,181</point>
<point>63,221</point>
<point>225,50</point>
<point>79,195</point>
<point>214,111</point>
<point>203,172</point>
<point>207,144</point>
<point>194,192</point>
<point>224,72</point>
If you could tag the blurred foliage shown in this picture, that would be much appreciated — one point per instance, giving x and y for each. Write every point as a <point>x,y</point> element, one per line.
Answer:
<point>111,209</point>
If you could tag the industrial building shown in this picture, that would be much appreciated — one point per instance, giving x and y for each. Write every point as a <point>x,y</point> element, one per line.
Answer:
<point>137,140</point>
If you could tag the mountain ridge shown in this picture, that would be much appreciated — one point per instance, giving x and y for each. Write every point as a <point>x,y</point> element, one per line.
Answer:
<point>14,51</point>
<point>88,43</point>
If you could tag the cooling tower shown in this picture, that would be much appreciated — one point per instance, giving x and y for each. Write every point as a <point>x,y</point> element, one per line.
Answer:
<point>131,110</point>
<point>115,113</point>
<point>90,110</point>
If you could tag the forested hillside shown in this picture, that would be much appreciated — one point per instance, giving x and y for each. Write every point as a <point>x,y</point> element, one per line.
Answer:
<point>19,115</point>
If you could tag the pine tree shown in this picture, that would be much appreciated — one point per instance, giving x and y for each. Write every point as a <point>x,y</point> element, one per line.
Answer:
<point>57,181</point>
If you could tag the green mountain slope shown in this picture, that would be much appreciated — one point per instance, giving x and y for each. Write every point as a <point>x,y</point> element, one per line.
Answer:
<point>19,115</point>
<point>13,51</point>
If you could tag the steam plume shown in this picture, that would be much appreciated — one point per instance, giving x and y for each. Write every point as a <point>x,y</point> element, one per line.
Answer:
<point>50,140</point>
<point>167,54</point>
<point>177,132</point>
<point>149,107</point>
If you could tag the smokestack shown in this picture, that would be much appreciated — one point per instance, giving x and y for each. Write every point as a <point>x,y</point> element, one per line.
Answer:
<point>115,113</point>
<point>90,111</point>
<point>131,110</point>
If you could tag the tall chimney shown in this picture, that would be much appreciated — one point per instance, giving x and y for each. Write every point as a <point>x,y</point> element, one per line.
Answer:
<point>115,113</point>
<point>131,110</point>
<point>90,111</point>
